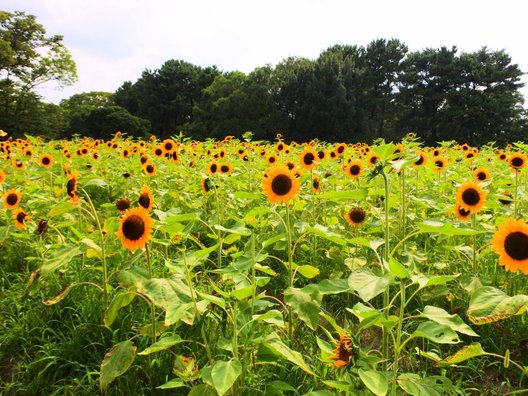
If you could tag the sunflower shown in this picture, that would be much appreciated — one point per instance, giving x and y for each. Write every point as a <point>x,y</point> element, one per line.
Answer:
<point>146,200</point>
<point>135,228</point>
<point>354,169</point>
<point>150,169</point>
<point>341,148</point>
<point>470,155</point>
<point>212,168</point>
<point>343,353</point>
<point>481,174</point>
<point>517,160</point>
<point>158,151</point>
<point>143,159</point>
<point>280,146</point>
<point>470,196</point>
<point>18,164</point>
<point>12,199</point>
<point>21,218</point>
<point>2,176</point>
<point>503,156</point>
<point>168,145</point>
<point>355,216</point>
<point>46,160</point>
<point>422,159</point>
<point>316,184</point>
<point>122,205</point>
<point>226,168</point>
<point>507,198</point>
<point>173,156</point>
<point>461,213</point>
<point>440,164</point>
<point>373,158</point>
<point>280,184</point>
<point>206,185</point>
<point>308,158</point>
<point>510,242</point>
<point>272,159</point>
<point>71,187</point>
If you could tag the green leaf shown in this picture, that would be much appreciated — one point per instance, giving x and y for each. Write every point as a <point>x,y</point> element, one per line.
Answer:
<point>60,257</point>
<point>489,304</point>
<point>274,343</point>
<point>325,233</point>
<point>424,280</point>
<point>243,292</point>
<point>116,362</point>
<point>172,384</point>
<point>272,316</point>
<point>306,305</point>
<point>162,344</point>
<point>357,194</point>
<point>436,332</point>
<point>60,295</point>
<point>414,385</point>
<point>308,271</point>
<point>95,182</point>
<point>468,352</point>
<point>341,385</point>
<point>239,229</point>
<point>397,269</point>
<point>224,375</point>
<point>202,390</point>
<point>61,208</point>
<point>323,392</point>
<point>121,299</point>
<point>366,284</point>
<point>433,226</point>
<point>375,381</point>
<point>454,322</point>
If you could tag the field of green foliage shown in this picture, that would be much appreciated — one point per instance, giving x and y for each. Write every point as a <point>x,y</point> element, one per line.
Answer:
<point>242,267</point>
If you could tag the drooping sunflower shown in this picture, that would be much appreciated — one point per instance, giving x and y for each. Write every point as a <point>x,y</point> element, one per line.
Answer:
<point>517,160</point>
<point>308,158</point>
<point>316,185</point>
<point>46,160</point>
<point>510,242</point>
<point>135,228</point>
<point>122,205</point>
<point>146,200</point>
<point>343,352</point>
<point>21,218</point>
<point>280,184</point>
<point>461,213</point>
<point>12,198</point>
<point>481,174</point>
<point>470,196</point>
<point>71,187</point>
<point>354,169</point>
<point>355,217</point>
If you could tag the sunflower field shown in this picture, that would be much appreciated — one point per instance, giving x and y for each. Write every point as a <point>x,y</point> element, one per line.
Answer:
<point>241,267</point>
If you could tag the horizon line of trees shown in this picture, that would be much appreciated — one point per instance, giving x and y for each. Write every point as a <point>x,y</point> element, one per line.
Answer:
<point>349,93</point>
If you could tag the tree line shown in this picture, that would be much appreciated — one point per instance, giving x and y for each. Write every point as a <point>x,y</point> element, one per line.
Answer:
<point>349,93</point>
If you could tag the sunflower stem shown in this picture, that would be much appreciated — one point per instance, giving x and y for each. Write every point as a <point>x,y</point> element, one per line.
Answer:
<point>397,341</point>
<point>152,307</point>
<point>515,204</point>
<point>474,226</point>
<point>290,270</point>
<point>386,295</point>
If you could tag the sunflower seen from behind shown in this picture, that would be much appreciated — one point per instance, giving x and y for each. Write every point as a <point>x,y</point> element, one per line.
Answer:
<point>510,242</point>
<point>280,184</point>
<point>135,228</point>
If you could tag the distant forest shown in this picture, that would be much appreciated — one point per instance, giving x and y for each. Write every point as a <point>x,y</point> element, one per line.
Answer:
<point>349,93</point>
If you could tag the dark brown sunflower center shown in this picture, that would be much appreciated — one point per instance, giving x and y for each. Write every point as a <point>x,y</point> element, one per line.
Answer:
<point>12,199</point>
<point>373,160</point>
<point>357,215</point>
<point>123,204</point>
<point>341,149</point>
<point>517,162</point>
<point>280,147</point>
<point>516,245</point>
<point>321,154</point>
<point>21,216</point>
<point>150,169</point>
<point>46,161</point>
<point>463,212</point>
<point>144,200</point>
<point>308,158</point>
<point>158,152</point>
<point>207,185</point>
<point>168,146</point>
<point>481,176</point>
<point>470,196</point>
<point>70,187</point>
<point>354,170</point>
<point>224,168</point>
<point>439,164</point>
<point>316,184</point>
<point>281,184</point>
<point>420,160</point>
<point>271,160</point>
<point>143,160</point>
<point>213,168</point>
<point>133,227</point>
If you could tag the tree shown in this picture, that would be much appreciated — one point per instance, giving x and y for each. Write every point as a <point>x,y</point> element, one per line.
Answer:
<point>28,58</point>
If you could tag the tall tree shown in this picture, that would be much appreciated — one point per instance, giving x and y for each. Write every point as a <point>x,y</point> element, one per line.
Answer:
<point>28,58</point>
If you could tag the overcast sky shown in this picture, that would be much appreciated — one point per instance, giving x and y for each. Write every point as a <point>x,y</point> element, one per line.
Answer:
<point>115,40</point>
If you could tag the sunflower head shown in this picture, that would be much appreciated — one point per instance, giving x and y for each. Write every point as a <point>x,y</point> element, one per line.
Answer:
<point>122,205</point>
<point>12,199</point>
<point>355,217</point>
<point>511,243</point>
<point>481,174</point>
<point>517,160</point>
<point>150,169</point>
<point>308,158</point>
<point>146,200</point>
<point>2,176</point>
<point>470,196</point>
<point>354,169</point>
<point>21,218</point>
<point>440,164</point>
<point>461,213</point>
<point>46,160</point>
<point>343,352</point>
<point>280,184</point>
<point>135,228</point>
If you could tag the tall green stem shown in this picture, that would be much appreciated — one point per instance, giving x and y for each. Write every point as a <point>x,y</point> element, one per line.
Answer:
<point>474,226</point>
<point>516,206</point>
<point>152,307</point>
<point>290,269</point>
<point>386,295</point>
<point>397,342</point>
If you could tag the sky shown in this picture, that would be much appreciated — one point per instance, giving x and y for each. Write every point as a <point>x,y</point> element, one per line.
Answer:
<point>113,41</point>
